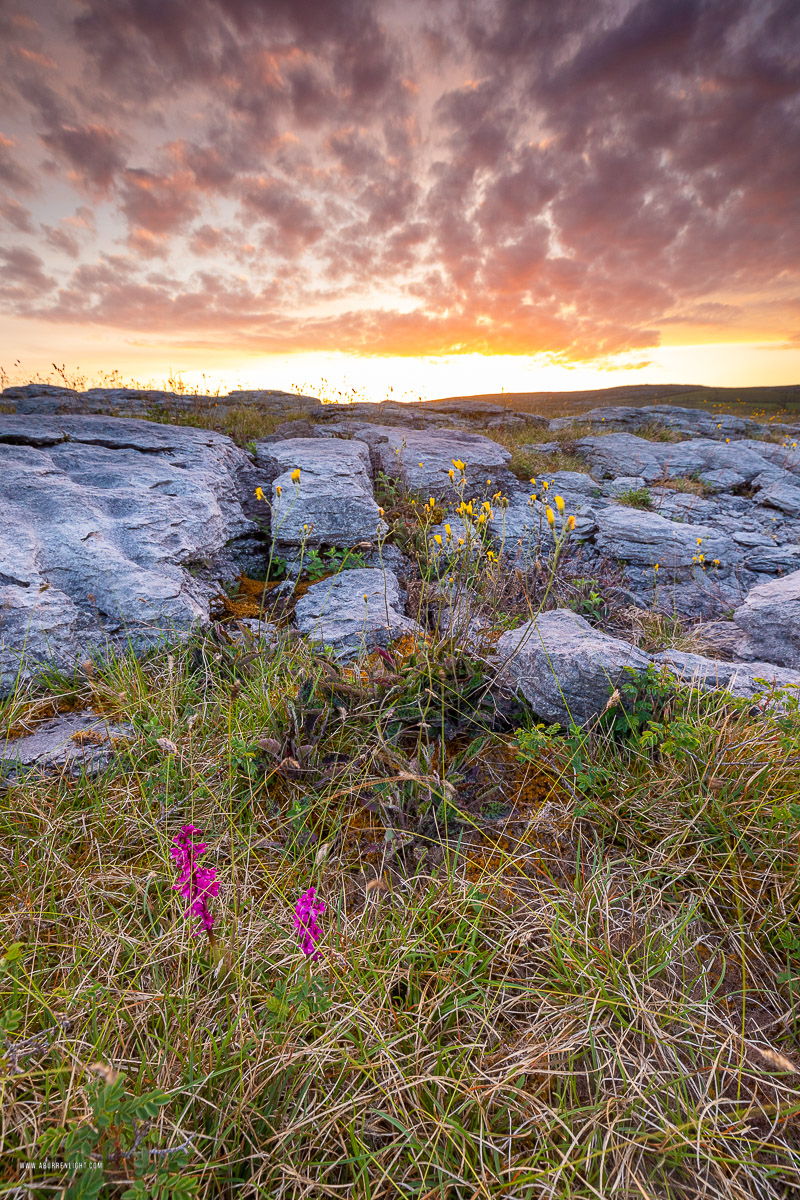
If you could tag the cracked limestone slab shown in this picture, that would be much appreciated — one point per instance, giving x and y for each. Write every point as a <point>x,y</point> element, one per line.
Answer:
<point>70,743</point>
<point>102,522</point>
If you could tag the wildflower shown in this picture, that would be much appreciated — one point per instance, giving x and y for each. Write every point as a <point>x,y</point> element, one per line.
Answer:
<point>570,522</point>
<point>195,883</point>
<point>715,562</point>
<point>551,516</point>
<point>306,913</point>
<point>457,463</point>
<point>431,502</point>
<point>560,503</point>
<point>380,512</point>
<point>533,497</point>
<point>278,489</point>
<point>437,537</point>
<point>545,484</point>
<point>420,464</point>
<point>295,475</point>
<point>655,568</point>
<point>533,481</point>
<point>448,531</point>
<point>365,598</point>
<point>699,541</point>
<point>452,474</point>
<point>259,494</point>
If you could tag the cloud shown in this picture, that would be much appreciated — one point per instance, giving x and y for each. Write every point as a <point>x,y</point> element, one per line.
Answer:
<point>532,177</point>
<point>23,278</point>
<point>16,215</point>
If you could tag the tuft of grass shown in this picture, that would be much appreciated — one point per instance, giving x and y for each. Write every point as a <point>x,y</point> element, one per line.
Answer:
<point>636,498</point>
<point>688,484</point>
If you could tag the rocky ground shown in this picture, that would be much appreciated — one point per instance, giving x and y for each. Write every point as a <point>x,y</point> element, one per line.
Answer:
<point>117,531</point>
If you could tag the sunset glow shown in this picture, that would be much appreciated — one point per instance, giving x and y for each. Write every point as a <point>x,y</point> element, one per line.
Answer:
<point>449,198</point>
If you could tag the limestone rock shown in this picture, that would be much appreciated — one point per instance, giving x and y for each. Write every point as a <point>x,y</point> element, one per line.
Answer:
<point>100,523</point>
<point>565,668</point>
<point>71,743</point>
<point>781,495</point>
<point>712,674</point>
<point>335,612</point>
<point>770,617</point>
<point>645,538</point>
<point>332,503</point>
<point>422,459</point>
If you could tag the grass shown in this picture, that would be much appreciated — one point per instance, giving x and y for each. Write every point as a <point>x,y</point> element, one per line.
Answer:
<point>636,498</point>
<point>554,963</point>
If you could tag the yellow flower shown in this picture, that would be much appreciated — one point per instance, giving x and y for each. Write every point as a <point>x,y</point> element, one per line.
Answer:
<point>259,494</point>
<point>451,473</point>
<point>551,516</point>
<point>437,537</point>
<point>533,481</point>
<point>545,484</point>
<point>716,562</point>
<point>365,598</point>
<point>431,502</point>
<point>380,512</point>
<point>482,518</point>
<point>448,531</point>
<point>570,522</point>
<point>278,489</point>
<point>655,568</point>
<point>461,541</point>
<point>296,475</point>
<point>560,503</point>
<point>457,463</point>
<point>699,540</point>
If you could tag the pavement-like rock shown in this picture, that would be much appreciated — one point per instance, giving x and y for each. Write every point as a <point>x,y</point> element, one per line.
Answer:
<point>625,454</point>
<point>354,611</point>
<point>332,502</point>
<point>565,668</point>
<point>644,538</point>
<point>770,617</point>
<point>102,522</point>
<point>782,495</point>
<point>70,743</point>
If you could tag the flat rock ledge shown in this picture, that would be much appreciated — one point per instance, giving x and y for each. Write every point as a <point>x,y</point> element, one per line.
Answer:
<point>72,743</point>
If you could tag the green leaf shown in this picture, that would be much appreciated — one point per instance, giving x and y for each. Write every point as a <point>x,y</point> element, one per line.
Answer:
<point>87,1186</point>
<point>10,1020</point>
<point>11,955</point>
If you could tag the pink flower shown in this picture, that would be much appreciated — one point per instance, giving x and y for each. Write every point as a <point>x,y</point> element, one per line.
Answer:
<point>195,883</point>
<point>306,912</point>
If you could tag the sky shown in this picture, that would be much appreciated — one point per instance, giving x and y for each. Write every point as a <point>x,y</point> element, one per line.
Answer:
<point>438,198</point>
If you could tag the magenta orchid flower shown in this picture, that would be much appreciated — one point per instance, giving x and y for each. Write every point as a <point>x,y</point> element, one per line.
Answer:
<point>196,884</point>
<point>307,910</point>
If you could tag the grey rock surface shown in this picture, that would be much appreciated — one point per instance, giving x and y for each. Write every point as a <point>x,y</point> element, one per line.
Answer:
<point>423,459</point>
<point>645,538</point>
<point>70,743</point>
<point>100,523</point>
<point>782,495</point>
<point>740,679</point>
<point>770,617</point>
<point>565,668</point>
<point>336,613</point>
<point>332,503</point>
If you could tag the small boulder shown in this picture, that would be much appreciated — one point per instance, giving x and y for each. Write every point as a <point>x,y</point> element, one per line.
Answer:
<point>564,667</point>
<point>354,611</point>
<point>332,503</point>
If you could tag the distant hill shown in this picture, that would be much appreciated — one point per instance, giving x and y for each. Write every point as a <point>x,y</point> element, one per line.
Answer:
<point>748,401</point>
